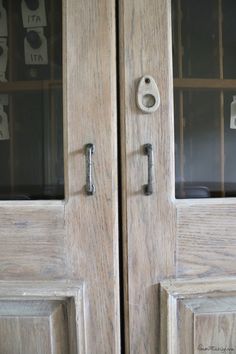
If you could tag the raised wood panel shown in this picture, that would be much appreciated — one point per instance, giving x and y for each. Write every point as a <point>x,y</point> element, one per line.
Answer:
<point>214,332</point>
<point>149,241</point>
<point>184,320</point>
<point>206,243</point>
<point>198,316</point>
<point>59,330</point>
<point>31,335</point>
<point>43,318</point>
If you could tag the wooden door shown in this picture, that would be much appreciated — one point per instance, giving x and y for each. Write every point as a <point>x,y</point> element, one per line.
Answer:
<point>59,288</point>
<point>188,232</point>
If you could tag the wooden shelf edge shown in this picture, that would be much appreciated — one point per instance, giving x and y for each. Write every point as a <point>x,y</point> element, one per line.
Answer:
<point>41,85</point>
<point>219,84</point>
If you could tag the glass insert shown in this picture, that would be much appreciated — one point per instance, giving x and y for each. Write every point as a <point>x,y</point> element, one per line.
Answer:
<point>204,66</point>
<point>31,112</point>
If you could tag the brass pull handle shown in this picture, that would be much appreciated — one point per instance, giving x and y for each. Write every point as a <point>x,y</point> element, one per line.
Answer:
<point>148,151</point>
<point>89,151</point>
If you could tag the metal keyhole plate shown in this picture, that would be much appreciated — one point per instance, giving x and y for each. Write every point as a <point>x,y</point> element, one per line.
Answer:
<point>148,97</point>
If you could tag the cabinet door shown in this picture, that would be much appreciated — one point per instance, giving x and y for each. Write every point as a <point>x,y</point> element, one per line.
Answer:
<point>59,288</point>
<point>186,227</point>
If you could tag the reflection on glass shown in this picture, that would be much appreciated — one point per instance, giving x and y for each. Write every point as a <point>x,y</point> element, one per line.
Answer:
<point>31,120</point>
<point>204,65</point>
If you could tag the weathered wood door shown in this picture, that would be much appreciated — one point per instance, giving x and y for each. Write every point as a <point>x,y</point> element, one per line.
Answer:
<point>172,234</point>
<point>58,258</point>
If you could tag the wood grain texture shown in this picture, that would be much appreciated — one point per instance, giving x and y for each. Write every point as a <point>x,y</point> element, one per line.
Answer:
<point>213,331</point>
<point>206,244</point>
<point>148,221</point>
<point>59,331</point>
<point>42,317</point>
<point>30,336</point>
<point>184,340</point>
<point>199,314</point>
<point>90,112</point>
<point>77,238</point>
<point>32,241</point>
<point>203,231</point>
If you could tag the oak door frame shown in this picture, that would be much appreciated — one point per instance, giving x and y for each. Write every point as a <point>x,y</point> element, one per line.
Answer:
<point>77,239</point>
<point>162,237</point>
<point>148,242</point>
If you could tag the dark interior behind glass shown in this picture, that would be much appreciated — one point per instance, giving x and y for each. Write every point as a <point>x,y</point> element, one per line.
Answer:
<point>31,119</point>
<point>204,65</point>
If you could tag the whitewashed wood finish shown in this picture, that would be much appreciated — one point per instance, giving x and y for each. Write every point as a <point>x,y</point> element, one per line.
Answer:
<point>59,330</point>
<point>25,335</point>
<point>32,241</point>
<point>78,238</point>
<point>41,317</point>
<point>198,314</point>
<point>184,341</point>
<point>162,236</point>
<point>91,221</point>
<point>215,330</point>
<point>206,243</point>
<point>148,221</point>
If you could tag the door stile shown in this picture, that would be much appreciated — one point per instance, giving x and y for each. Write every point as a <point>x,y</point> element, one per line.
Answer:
<point>148,221</point>
<point>91,221</point>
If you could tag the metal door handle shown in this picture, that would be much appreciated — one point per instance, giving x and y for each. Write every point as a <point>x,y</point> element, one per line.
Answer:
<point>148,150</point>
<point>89,151</point>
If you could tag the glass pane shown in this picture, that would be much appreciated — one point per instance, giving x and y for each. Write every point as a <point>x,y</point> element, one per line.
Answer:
<point>204,57</point>
<point>31,119</point>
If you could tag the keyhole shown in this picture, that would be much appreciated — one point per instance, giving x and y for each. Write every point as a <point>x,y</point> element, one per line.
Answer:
<point>149,101</point>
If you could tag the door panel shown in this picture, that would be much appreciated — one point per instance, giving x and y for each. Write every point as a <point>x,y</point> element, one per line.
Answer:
<point>165,237</point>
<point>198,316</point>
<point>75,239</point>
<point>43,317</point>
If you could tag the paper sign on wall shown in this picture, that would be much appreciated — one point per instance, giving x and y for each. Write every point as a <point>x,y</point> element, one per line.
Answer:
<point>4,100</point>
<point>4,126</point>
<point>35,43</point>
<point>3,59</point>
<point>33,13</point>
<point>3,21</point>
